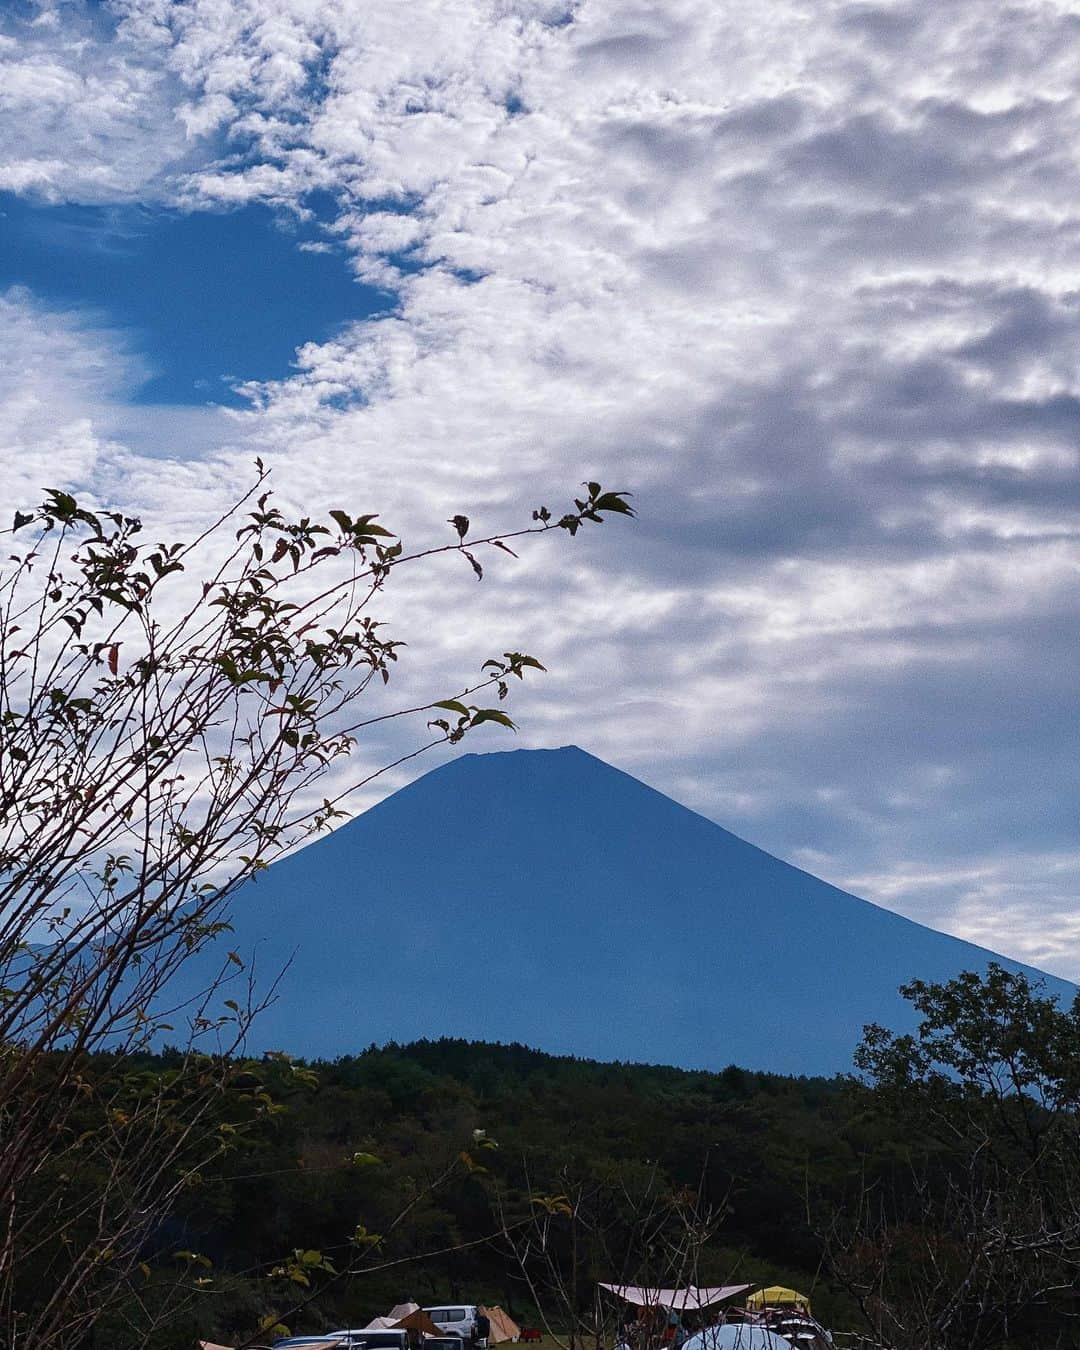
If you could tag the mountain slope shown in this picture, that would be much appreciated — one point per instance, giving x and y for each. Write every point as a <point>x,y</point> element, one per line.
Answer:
<point>545,897</point>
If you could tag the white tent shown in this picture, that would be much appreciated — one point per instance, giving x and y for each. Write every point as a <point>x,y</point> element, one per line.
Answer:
<point>736,1336</point>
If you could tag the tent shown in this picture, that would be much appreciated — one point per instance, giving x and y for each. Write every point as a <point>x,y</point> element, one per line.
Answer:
<point>503,1326</point>
<point>736,1336</point>
<point>690,1299</point>
<point>776,1296</point>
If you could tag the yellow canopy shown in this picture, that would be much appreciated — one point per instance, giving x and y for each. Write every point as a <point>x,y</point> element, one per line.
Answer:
<point>776,1296</point>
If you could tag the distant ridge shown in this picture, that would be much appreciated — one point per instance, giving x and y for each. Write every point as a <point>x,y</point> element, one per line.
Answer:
<point>546,898</point>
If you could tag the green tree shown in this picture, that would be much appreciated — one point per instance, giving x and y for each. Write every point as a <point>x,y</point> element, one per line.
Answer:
<point>973,1239</point>
<point>168,713</point>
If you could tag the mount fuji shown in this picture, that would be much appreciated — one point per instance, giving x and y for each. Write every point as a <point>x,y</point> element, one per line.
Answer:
<point>543,896</point>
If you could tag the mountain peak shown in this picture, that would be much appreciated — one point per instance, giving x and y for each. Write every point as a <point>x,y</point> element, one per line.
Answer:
<point>546,897</point>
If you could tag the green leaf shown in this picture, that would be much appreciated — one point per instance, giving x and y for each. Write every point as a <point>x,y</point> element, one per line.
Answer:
<point>365,526</point>
<point>492,715</point>
<point>452,705</point>
<point>62,504</point>
<point>520,659</point>
<point>613,501</point>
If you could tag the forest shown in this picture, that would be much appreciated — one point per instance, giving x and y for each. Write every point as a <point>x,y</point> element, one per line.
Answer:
<point>436,1151</point>
<point>929,1199</point>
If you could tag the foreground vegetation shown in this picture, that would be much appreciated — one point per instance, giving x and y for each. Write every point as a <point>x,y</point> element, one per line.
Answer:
<point>169,712</point>
<point>933,1202</point>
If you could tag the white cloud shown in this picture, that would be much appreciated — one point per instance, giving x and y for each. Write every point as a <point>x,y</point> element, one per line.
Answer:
<point>85,114</point>
<point>803,276</point>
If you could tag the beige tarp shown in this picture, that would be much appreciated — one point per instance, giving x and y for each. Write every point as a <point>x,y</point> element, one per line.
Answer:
<point>417,1320</point>
<point>413,1319</point>
<point>503,1326</point>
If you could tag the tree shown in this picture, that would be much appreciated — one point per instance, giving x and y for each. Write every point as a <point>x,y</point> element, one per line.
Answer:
<point>974,1239</point>
<point>168,713</point>
<point>629,1225</point>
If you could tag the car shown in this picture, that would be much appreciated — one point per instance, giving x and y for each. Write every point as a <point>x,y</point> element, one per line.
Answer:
<point>462,1320</point>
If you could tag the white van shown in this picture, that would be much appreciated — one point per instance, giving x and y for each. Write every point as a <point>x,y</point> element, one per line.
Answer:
<point>458,1319</point>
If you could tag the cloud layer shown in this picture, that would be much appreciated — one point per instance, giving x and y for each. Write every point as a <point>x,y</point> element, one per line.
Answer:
<point>804,277</point>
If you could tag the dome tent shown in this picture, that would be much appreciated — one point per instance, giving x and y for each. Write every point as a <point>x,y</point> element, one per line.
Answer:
<point>736,1336</point>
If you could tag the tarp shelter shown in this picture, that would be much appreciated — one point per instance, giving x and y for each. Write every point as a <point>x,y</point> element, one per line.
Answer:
<point>691,1299</point>
<point>503,1326</point>
<point>403,1310</point>
<point>416,1320</point>
<point>776,1296</point>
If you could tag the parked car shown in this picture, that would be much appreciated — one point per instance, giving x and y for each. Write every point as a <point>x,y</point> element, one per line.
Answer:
<point>462,1320</point>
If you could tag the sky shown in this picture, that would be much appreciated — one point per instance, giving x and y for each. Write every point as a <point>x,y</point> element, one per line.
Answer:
<point>802,276</point>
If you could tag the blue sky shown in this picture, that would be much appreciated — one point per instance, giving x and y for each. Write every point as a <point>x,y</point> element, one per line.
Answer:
<point>207,298</point>
<point>805,277</point>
